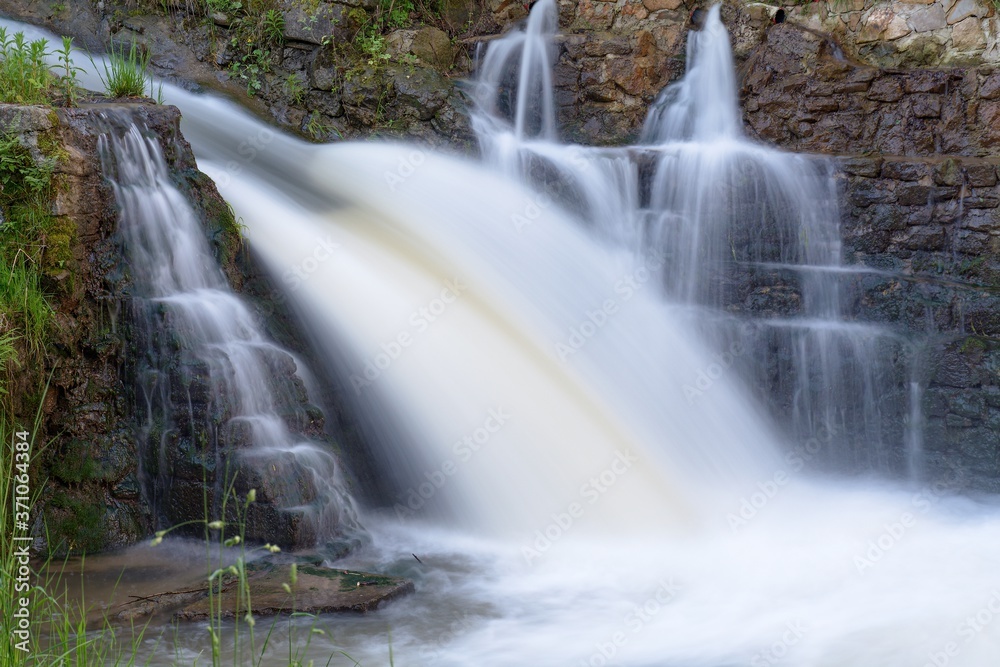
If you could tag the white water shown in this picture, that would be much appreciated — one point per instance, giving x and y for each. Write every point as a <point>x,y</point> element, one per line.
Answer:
<point>184,295</point>
<point>802,557</point>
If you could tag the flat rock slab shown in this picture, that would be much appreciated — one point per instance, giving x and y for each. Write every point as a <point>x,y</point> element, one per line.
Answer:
<point>317,591</point>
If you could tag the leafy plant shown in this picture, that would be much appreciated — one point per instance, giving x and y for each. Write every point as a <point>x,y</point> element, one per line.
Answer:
<point>295,88</point>
<point>68,81</point>
<point>274,26</point>
<point>24,74</point>
<point>256,29</point>
<point>373,44</point>
<point>25,190</point>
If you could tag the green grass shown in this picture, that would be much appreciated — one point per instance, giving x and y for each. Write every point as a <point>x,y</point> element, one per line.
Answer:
<point>25,315</point>
<point>126,73</point>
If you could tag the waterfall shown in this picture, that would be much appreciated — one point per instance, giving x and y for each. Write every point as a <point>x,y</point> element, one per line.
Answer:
<point>517,346</point>
<point>739,226</point>
<point>217,393</point>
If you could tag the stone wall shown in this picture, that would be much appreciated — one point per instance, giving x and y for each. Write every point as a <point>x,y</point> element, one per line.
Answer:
<point>918,165</point>
<point>85,445</point>
<point>797,95</point>
<point>910,33</point>
<point>88,442</point>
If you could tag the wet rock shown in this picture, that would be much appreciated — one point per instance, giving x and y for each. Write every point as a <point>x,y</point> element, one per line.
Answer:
<point>317,591</point>
<point>420,91</point>
<point>904,170</point>
<point>433,46</point>
<point>314,26</point>
<point>867,166</point>
<point>981,174</point>
<point>926,106</point>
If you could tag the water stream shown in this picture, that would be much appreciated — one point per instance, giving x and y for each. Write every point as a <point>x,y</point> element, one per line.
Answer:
<point>535,334</point>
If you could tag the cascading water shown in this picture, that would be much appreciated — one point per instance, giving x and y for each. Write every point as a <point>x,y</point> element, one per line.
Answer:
<point>731,219</point>
<point>228,391</point>
<point>764,568</point>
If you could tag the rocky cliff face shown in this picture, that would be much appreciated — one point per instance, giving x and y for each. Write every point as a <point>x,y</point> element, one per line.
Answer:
<point>917,161</point>
<point>99,461</point>
<point>93,498</point>
<point>913,33</point>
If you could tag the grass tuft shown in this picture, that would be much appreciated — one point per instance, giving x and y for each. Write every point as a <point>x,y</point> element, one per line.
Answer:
<point>126,73</point>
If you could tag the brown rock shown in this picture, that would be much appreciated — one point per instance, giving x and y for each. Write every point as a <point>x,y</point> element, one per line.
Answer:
<point>981,174</point>
<point>886,89</point>
<point>657,5</point>
<point>904,170</point>
<point>968,35</point>
<point>594,15</point>
<point>989,121</point>
<point>925,82</point>
<point>821,104</point>
<point>862,165</point>
<point>926,106</point>
<point>433,46</point>
<point>873,26</point>
<point>990,90</point>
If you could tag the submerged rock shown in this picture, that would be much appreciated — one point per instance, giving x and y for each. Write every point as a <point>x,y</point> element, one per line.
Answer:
<point>317,590</point>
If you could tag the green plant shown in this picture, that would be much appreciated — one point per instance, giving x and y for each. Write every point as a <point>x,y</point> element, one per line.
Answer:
<point>251,67</point>
<point>126,74</point>
<point>295,88</point>
<point>25,192</point>
<point>274,26</point>
<point>318,130</point>
<point>396,13</point>
<point>256,29</point>
<point>24,74</point>
<point>68,81</point>
<point>372,43</point>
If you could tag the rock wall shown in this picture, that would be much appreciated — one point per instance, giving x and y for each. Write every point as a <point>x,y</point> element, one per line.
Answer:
<point>907,34</point>
<point>90,439</point>
<point>85,444</point>
<point>918,165</point>
<point>801,97</point>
